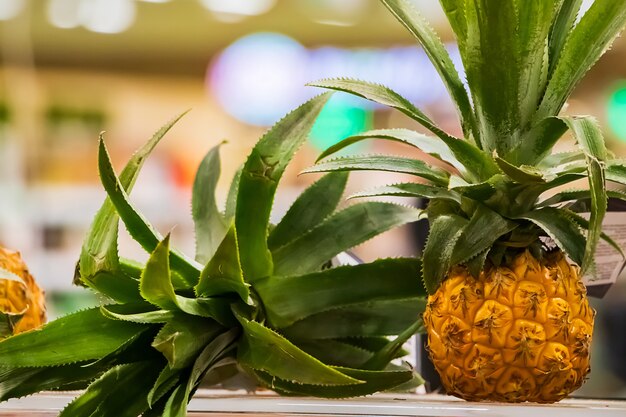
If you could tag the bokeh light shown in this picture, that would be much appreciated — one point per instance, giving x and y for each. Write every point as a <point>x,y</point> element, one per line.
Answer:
<point>616,111</point>
<point>259,77</point>
<point>343,116</point>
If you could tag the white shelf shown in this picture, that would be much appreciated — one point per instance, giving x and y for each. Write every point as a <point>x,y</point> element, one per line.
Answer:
<point>214,403</point>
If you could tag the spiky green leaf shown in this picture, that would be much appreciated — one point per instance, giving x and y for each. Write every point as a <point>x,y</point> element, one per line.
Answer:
<point>383,163</point>
<point>476,265</point>
<point>616,171</point>
<point>560,227</point>
<point>156,288</point>
<point>231,198</point>
<point>164,383</point>
<point>262,349</point>
<point>210,226</point>
<point>584,223</point>
<point>577,195</point>
<point>156,281</point>
<point>19,382</point>
<point>590,140</point>
<point>371,319</point>
<point>136,224</point>
<point>311,208</point>
<point>289,299</point>
<point>217,308</point>
<point>522,174</point>
<point>444,232</point>
<point>176,405</point>
<point>343,230</point>
<point>505,58</point>
<point>562,27</point>
<point>373,381</point>
<point>77,337</point>
<point>259,180</point>
<point>370,344</point>
<point>591,37</point>
<point>537,143</point>
<point>99,250</point>
<point>483,229</point>
<point>481,191</point>
<point>334,352</point>
<point>223,273</point>
<point>381,95</point>
<point>119,392</point>
<point>116,285</point>
<point>383,357</point>
<point>136,313</point>
<point>436,51</point>
<point>455,11</point>
<point>561,158</point>
<point>428,144</point>
<point>182,338</point>
<point>411,189</point>
<point>462,155</point>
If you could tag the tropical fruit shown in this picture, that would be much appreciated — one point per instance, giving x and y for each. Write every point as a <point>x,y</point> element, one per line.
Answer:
<point>22,302</point>
<point>258,298</point>
<point>507,317</point>
<point>518,331</point>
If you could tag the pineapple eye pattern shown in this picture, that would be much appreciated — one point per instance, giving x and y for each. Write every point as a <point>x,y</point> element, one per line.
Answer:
<point>527,342</point>
<point>501,280</point>
<point>521,332</point>
<point>454,338</point>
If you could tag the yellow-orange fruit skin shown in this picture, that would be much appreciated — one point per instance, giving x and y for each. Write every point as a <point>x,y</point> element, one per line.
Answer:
<point>23,296</point>
<point>520,332</point>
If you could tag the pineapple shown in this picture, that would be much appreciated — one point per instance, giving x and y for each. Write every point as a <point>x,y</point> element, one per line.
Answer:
<point>507,316</point>
<point>521,331</point>
<point>22,303</point>
<point>258,299</point>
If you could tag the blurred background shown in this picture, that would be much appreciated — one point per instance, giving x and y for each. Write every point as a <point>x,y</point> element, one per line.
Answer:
<point>70,69</point>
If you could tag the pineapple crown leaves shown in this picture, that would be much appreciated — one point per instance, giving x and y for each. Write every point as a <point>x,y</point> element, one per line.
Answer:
<point>169,315</point>
<point>504,167</point>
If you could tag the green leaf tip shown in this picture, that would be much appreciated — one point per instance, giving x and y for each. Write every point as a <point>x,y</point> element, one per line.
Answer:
<point>259,180</point>
<point>210,225</point>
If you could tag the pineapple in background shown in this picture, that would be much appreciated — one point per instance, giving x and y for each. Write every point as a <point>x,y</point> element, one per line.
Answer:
<point>22,302</point>
<point>507,316</point>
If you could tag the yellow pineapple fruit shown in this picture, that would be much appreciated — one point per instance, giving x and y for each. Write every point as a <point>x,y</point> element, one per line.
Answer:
<point>22,302</point>
<point>507,317</point>
<point>519,332</point>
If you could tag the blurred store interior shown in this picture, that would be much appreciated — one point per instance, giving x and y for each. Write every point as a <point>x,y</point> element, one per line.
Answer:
<point>70,69</point>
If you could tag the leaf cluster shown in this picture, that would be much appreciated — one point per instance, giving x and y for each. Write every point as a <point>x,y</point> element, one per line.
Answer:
<point>522,60</point>
<point>255,299</point>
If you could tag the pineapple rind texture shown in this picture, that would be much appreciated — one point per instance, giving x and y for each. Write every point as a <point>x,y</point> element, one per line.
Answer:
<point>520,332</point>
<point>23,296</point>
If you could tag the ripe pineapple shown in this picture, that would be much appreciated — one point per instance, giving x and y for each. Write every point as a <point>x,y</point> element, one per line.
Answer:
<point>258,298</point>
<point>520,331</point>
<point>507,316</point>
<point>22,303</point>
